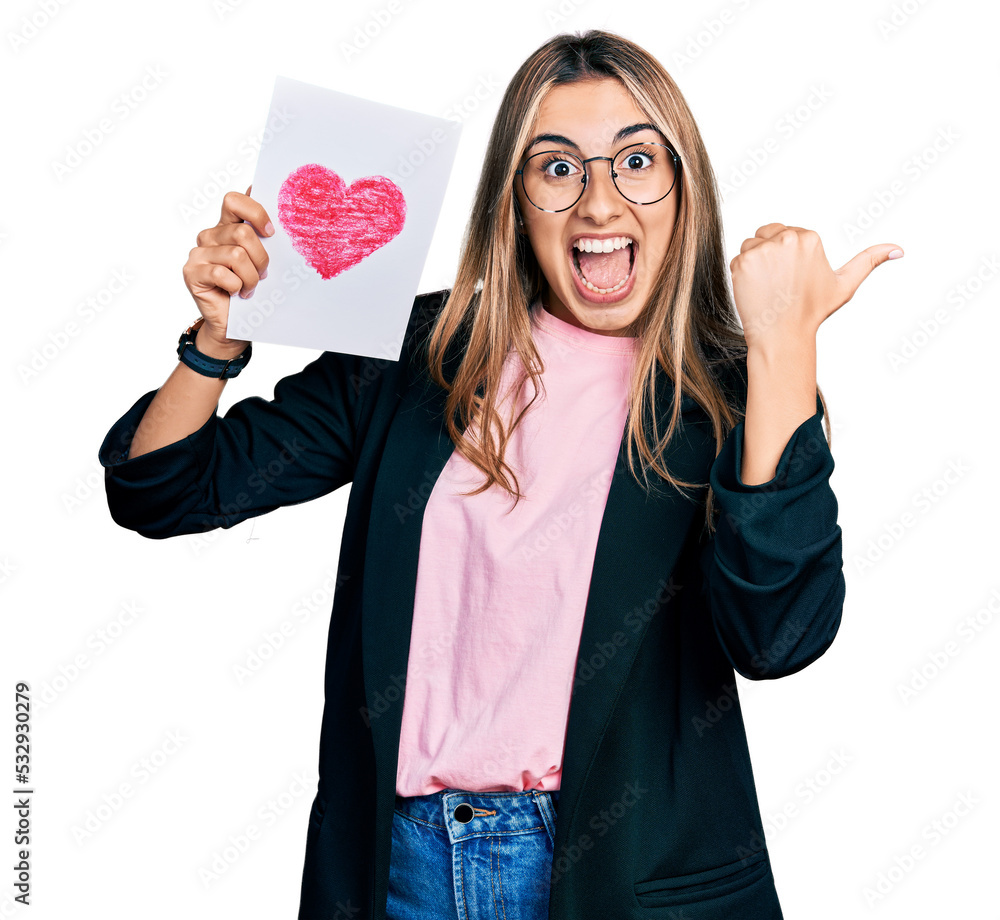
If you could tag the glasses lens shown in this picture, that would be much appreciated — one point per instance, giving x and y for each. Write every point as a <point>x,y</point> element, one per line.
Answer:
<point>553,180</point>
<point>644,173</point>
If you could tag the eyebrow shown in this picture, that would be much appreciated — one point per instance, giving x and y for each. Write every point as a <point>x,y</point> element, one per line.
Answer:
<point>623,133</point>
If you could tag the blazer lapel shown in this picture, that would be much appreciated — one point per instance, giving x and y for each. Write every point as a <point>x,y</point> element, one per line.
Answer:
<point>639,541</point>
<point>416,450</point>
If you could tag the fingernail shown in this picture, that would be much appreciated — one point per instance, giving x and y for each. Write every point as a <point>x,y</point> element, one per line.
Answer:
<point>268,228</point>
<point>251,293</point>
<point>263,274</point>
<point>896,254</point>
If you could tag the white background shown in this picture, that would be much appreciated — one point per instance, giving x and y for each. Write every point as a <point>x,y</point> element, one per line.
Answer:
<point>871,105</point>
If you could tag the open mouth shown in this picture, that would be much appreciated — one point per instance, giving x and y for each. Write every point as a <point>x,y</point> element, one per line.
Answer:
<point>603,266</point>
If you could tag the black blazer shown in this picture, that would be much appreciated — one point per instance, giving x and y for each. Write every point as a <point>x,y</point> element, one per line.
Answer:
<point>658,814</point>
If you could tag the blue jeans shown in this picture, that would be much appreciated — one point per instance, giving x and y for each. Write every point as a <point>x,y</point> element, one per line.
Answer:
<point>472,855</point>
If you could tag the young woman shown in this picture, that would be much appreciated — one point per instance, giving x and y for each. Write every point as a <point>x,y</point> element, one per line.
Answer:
<point>580,500</point>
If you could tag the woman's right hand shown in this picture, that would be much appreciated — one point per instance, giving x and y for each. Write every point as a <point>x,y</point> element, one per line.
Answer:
<point>227,259</point>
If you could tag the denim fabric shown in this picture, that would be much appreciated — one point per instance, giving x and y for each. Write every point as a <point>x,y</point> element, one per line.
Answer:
<point>494,863</point>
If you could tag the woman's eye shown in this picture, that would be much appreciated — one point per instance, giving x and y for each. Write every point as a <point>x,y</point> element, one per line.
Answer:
<point>637,161</point>
<point>559,169</point>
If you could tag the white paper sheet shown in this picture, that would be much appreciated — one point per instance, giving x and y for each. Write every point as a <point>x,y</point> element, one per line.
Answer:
<point>354,189</point>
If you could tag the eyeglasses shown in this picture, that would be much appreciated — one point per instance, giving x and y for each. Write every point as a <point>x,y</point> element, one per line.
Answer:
<point>555,180</point>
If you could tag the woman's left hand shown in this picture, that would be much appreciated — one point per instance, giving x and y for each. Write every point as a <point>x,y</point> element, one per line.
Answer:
<point>784,286</point>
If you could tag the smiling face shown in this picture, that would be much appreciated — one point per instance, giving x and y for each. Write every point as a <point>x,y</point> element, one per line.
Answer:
<point>593,118</point>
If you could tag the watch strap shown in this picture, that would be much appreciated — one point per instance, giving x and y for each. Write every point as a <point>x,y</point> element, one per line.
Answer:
<point>219,368</point>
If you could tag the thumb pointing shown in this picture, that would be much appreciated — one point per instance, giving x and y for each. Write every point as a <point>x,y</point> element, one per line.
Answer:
<point>852,273</point>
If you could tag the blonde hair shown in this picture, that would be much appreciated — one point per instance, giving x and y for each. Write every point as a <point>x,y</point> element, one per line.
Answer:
<point>689,312</point>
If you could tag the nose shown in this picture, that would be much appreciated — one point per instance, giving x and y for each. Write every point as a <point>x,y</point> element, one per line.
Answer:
<point>601,200</point>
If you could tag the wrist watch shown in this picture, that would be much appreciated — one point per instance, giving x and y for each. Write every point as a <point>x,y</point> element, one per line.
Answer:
<point>203,364</point>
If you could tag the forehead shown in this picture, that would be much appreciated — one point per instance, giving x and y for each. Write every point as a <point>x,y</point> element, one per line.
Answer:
<point>589,112</point>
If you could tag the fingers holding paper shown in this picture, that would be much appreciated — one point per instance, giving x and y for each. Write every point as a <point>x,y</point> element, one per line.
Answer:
<point>229,258</point>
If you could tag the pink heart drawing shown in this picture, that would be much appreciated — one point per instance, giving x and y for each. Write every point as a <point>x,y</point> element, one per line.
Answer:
<point>334,226</point>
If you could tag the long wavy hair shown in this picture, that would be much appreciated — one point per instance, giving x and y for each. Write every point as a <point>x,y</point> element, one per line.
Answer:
<point>688,325</point>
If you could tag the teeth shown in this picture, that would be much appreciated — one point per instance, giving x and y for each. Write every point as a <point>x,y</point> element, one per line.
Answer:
<point>606,245</point>
<point>598,290</point>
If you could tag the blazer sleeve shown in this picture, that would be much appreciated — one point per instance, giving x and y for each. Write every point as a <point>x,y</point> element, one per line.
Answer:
<point>261,455</point>
<point>773,570</point>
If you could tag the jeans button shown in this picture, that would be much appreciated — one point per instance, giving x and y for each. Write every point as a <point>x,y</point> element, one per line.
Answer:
<point>463,813</point>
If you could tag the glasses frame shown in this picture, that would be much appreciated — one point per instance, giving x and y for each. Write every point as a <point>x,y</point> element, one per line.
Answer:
<point>611,170</point>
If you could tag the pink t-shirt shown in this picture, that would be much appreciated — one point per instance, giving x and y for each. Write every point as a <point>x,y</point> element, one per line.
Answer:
<point>500,597</point>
